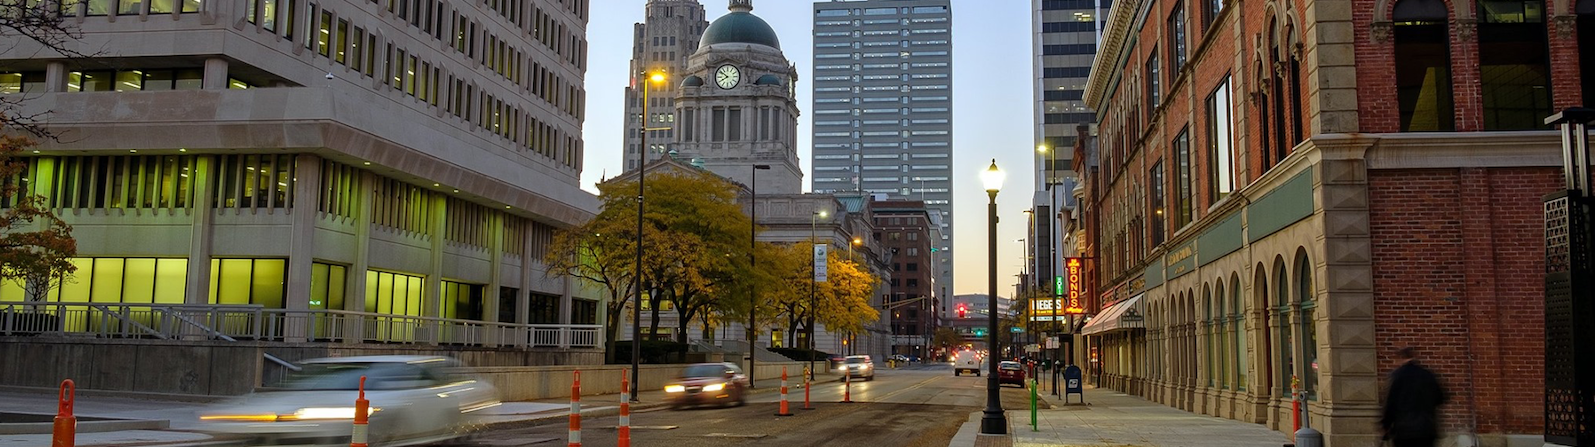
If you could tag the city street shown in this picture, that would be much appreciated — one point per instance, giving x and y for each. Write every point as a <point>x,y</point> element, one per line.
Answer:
<point>913,406</point>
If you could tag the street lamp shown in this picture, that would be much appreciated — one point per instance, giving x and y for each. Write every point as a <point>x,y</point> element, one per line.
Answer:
<point>994,422</point>
<point>814,283</point>
<point>753,294</point>
<point>642,174</point>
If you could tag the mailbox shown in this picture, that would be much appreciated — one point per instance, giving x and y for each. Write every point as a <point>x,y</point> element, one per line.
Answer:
<point>1072,383</point>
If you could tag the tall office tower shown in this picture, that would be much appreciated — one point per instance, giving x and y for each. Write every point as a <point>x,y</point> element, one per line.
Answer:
<point>662,42</point>
<point>883,103</point>
<point>1065,44</point>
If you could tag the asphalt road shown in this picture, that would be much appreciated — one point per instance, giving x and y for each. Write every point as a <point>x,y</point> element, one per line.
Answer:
<point>922,406</point>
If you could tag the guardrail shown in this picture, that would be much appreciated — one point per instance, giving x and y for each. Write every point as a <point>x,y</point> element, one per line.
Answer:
<point>253,322</point>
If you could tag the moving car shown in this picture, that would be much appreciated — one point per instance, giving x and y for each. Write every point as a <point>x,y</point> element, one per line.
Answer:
<point>414,400</point>
<point>966,360</point>
<point>1010,372</point>
<point>859,366</point>
<point>708,383</point>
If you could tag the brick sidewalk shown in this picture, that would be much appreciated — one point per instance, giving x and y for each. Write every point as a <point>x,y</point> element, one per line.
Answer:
<point>1111,419</point>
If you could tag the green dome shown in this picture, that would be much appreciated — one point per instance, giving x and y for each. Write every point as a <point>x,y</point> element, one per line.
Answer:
<point>740,27</point>
<point>768,80</point>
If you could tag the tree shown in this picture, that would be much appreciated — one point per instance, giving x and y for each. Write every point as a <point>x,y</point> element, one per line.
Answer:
<point>36,247</point>
<point>584,253</point>
<point>946,338</point>
<point>40,30</point>
<point>844,297</point>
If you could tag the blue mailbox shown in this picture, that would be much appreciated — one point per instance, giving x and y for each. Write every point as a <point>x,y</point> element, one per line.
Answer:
<point>1072,383</point>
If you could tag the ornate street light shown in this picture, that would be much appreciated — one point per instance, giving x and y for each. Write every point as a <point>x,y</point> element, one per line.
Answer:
<point>993,422</point>
<point>814,282</point>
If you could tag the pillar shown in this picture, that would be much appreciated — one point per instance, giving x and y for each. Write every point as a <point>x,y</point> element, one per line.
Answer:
<point>432,295</point>
<point>55,74</point>
<point>301,244</point>
<point>200,241</point>
<point>354,295</point>
<point>215,74</point>
<point>490,297</point>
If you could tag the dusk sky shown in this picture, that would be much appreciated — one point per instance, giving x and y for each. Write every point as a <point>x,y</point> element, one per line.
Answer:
<point>992,113</point>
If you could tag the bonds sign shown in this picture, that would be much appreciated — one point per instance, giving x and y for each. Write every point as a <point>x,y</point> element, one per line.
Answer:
<point>1073,270</point>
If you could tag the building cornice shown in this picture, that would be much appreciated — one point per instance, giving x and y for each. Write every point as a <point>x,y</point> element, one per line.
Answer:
<point>1109,51</point>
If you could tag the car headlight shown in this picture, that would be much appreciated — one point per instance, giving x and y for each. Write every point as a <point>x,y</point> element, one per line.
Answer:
<point>323,413</point>
<point>714,387</point>
<point>867,366</point>
<point>675,388</point>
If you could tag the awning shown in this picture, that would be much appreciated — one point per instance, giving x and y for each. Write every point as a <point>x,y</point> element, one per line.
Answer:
<point>1123,315</point>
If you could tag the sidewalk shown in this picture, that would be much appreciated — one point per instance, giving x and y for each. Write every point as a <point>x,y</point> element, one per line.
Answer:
<point>183,425</point>
<point>1111,419</point>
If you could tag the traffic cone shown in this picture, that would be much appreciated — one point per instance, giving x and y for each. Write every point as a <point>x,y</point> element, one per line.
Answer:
<point>784,410</point>
<point>362,410</point>
<point>624,426</point>
<point>576,411</point>
<point>64,434</point>
<point>806,386</point>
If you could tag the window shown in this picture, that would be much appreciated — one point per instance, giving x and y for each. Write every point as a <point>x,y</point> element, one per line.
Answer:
<point>1238,331</point>
<point>461,301</point>
<point>717,122</point>
<point>1214,7</point>
<point>1184,193</point>
<point>1151,82</point>
<point>248,281</point>
<point>1176,35</point>
<point>1423,66</point>
<point>1155,182</point>
<point>1513,64</point>
<point>1283,327</point>
<point>324,33</point>
<point>254,181</point>
<point>1220,144</point>
<point>114,280</point>
<point>1586,48</point>
<point>1309,333</point>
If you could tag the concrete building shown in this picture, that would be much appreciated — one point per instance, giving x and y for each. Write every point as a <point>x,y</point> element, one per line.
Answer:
<point>1287,193</point>
<point>301,178</point>
<point>661,43</point>
<point>883,103</point>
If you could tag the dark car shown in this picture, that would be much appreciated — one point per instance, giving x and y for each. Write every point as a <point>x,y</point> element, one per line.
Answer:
<point>708,383</point>
<point>1011,372</point>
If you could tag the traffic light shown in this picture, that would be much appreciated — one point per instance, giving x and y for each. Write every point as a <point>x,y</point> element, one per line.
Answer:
<point>980,332</point>
<point>961,310</point>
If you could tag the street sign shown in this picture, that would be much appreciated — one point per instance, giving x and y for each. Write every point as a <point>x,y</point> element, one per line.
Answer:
<point>1033,347</point>
<point>1016,329</point>
<point>819,262</point>
<point>1052,343</point>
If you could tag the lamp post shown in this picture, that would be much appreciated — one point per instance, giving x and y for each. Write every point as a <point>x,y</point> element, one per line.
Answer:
<point>814,282</point>
<point>1055,237</point>
<point>993,422</point>
<point>642,174</point>
<point>753,294</point>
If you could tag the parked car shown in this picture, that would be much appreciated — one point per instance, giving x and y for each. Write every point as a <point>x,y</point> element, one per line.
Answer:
<point>1010,372</point>
<point>414,400</point>
<point>708,384</point>
<point>966,360</point>
<point>860,366</point>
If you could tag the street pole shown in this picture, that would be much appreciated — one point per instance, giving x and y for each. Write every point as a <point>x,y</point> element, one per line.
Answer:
<point>753,294</point>
<point>813,283</point>
<point>993,421</point>
<point>642,174</point>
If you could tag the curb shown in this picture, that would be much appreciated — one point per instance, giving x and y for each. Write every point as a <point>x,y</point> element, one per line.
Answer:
<point>561,417</point>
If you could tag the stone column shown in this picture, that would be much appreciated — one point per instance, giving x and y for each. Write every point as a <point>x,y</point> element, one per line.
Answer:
<point>432,295</point>
<point>202,217</point>
<point>1348,381</point>
<point>301,245</point>
<point>55,76</point>
<point>495,253</point>
<point>215,74</point>
<point>354,296</point>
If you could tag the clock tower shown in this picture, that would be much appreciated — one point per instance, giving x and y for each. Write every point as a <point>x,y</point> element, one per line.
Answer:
<point>737,105</point>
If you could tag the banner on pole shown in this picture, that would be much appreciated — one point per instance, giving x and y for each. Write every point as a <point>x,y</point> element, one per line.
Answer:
<point>819,262</point>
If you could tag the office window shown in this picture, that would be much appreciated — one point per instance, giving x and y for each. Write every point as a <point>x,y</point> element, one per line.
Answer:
<point>1151,81</point>
<point>254,181</point>
<point>1423,65</point>
<point>1176,33</point>
<point>248,281</point>
<point>1155,181</point>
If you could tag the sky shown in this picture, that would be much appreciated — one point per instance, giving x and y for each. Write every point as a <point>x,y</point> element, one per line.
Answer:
<point>993,102</point>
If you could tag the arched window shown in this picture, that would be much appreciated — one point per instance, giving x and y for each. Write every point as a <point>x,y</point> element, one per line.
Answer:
<point>1287,365</point>
<point>1305,293</point>
<point>1277,98</point>
<point>1586,48</point>
<point>1238,333</point>
<point>1265,365</point>
<point>1514,72</point>
<point>1297,103</point>
<point>1423,66</point>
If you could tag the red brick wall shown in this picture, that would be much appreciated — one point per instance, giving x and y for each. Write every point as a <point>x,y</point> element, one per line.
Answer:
<point>1457,262</point>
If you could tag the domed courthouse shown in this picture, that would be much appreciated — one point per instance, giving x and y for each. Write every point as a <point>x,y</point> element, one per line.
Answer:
<point>737,106</point>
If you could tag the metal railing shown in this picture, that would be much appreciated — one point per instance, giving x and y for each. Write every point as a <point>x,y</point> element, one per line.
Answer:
<point>253,322</point>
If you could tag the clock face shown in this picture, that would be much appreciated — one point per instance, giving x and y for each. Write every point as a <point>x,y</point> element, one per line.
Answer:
<point>727,76</point>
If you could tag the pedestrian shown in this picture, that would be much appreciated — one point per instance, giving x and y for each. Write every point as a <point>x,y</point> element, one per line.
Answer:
<point>1412,403</point>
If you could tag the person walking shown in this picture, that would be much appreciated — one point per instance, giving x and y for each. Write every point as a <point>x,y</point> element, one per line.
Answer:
<point>1412,403</point>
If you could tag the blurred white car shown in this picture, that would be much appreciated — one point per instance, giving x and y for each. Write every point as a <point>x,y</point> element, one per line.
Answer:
<point>414,400</point>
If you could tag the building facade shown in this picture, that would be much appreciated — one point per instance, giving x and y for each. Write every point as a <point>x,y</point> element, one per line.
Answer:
<point>345,171</point>
<point>904,230</point>
<point>661,43</point>
<point>1286,193</point>
<point>883,103</point>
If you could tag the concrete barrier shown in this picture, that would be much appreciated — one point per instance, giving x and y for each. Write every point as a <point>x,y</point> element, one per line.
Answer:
<point>518,383</point>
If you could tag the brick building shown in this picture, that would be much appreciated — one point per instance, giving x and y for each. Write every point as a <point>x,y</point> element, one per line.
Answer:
<point>1371,168</point>
<point>907,231</point>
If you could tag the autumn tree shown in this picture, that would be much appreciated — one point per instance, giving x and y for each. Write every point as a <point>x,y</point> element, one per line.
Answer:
<point>841,302</point>
<point>583,252</point>
<point>946,338</point>
<point>36,247</point>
